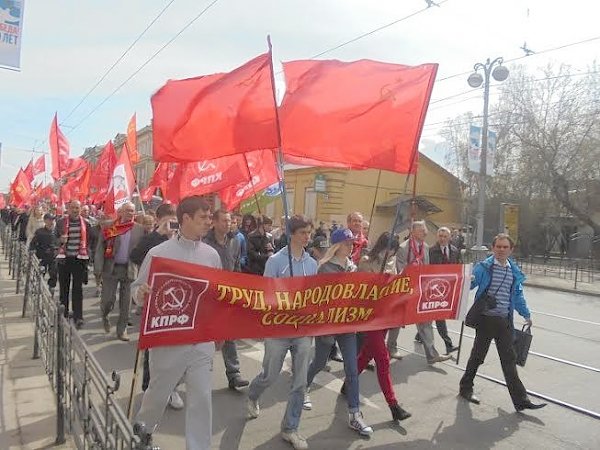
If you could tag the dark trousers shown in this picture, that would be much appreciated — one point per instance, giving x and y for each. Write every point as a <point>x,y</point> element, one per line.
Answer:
<point>500,330</point>
<point>70,270</point>
<point>52,271</point>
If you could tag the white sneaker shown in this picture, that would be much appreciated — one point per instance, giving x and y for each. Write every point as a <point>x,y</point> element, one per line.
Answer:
<point>297,441</point>
<point>175,400</point>
<point>357,422</point>
<point>307,405</point>
<point>253,410</point>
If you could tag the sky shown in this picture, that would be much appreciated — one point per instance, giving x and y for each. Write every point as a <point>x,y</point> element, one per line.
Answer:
<point>68,45</point>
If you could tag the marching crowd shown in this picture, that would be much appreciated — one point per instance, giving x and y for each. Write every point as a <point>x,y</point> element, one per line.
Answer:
<point>118,253</point>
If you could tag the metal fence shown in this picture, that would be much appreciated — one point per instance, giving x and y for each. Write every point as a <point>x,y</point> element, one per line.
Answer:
<point>86,407</point>
<point>575,270</point>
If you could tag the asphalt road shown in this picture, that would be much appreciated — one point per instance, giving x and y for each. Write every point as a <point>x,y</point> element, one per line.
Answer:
<point>440,419</point>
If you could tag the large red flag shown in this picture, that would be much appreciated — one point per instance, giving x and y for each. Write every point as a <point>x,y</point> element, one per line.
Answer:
<point>102,174</point>
<point>21,189</point>
<point>59,150</point>
<point>39,166</point>
<point>78,187</point>
<point>28,171</point>
<point>366,114</point>
<point>216,115</point>
<point>134,156</point>
<point>262,169</point>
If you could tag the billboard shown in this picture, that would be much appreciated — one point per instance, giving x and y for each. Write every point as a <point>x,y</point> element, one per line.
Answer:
<point>11,28</point>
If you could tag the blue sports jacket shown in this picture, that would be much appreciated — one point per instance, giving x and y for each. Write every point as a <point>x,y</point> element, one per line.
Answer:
<point>482,273</point>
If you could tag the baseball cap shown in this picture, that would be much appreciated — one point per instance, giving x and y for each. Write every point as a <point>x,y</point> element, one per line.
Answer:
<point>341,235</point>
<point>49,216</point>
<point>319,242</point>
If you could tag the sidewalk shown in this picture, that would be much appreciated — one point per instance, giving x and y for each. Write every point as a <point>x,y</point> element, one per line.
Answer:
<point>27,402</point>
<point>560,284</point>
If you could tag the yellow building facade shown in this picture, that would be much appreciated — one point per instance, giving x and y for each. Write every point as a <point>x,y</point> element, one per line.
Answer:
<point>338,192</point>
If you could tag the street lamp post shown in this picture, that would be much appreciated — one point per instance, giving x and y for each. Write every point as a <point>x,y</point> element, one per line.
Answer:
<point>499,73</point>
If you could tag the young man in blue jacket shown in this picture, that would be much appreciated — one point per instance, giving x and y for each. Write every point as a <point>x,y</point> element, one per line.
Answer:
<point>502,279</point>
<point>278,266</point>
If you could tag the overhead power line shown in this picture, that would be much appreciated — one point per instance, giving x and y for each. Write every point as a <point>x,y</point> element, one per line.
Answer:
<point>118,60</point>
<point>376,30</point>
<point>144,64</point>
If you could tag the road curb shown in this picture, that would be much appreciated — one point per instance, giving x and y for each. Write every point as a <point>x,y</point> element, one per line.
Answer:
<point>561,289</point>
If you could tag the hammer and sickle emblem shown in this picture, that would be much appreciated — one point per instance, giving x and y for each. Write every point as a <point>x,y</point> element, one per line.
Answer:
<point>177,299</point>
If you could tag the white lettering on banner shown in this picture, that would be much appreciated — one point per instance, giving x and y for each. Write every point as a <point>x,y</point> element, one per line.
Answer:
<point>173,303</point>
<point>208,179</point>
<point>437,292</point>
<point>253,182</point>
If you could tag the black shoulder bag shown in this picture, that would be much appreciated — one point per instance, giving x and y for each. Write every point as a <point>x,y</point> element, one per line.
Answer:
<point>482,304</point>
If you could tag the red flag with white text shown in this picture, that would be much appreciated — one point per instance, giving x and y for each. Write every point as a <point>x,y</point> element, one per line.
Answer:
<point>262,169</point>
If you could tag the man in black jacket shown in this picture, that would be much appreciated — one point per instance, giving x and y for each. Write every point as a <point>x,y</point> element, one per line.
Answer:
<point>443,252</point>
<point>228,249</point>
<point>45,245</point>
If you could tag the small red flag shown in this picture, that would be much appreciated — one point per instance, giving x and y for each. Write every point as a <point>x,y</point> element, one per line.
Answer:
<point>122,183</point>
<point>2,201</point>
<point>262,169</point>
<point>103,170</point>
<point>366,114</point>
<point>216,115</point>
<point>28,171</point>
<point>134,156</point>
<point>59,149</point>
<point>21,189</point>
<point>39,166</point>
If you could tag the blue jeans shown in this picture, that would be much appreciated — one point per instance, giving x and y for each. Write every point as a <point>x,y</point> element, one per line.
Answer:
<point>275,351</point>
<point>347,343</point>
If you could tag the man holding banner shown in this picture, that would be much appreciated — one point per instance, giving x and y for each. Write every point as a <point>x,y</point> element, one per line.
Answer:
<point>192,362</point>
<point>278,266</point>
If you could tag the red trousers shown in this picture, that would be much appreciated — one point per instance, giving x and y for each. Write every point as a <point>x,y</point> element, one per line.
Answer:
<point>374,347</point>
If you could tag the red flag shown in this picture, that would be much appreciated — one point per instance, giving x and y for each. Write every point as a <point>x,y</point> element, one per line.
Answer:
<point>134,156</point>
<point>216,115</point>
<point>102,174</point>
<point>73,165</point>
<point>59,149</point>
<point>158,180</point>
<point>20,189</point>
<point>263,170</point>
<point>2,201</point>
<point>204,177</point>
<point>122,183</point>
<point>28,171</point>
<point>78,187</point>
<point>39,166</point>
<point>366,114</point>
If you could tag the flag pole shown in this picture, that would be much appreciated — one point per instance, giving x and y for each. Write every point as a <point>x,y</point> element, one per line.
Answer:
<point>252,184</point>
<point>280,171</point>
<point>374,201</point>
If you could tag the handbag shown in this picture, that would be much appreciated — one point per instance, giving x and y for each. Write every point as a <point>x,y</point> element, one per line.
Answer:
<point>522,343</point>
<point>482,304</point>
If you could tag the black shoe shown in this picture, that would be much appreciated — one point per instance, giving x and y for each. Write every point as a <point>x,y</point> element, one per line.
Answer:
<point>418,338</point>
<point>398,413</point>
<point>79,324</point>
<point>371,367</point>
<point>335,355</point>
<point>451,349</point>
<point>470,397</point>
<point>238,382</point>
<point>529,405</point>
<point>343,389</point>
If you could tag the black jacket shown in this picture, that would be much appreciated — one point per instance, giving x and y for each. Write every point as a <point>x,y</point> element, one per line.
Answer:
<point>147,242</point>
<point>45,245</point>
<point>437,257</point>
<point>21,226</point>
<point>257,252</point>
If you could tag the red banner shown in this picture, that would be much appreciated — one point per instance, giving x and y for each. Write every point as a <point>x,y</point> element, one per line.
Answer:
<point>190,303</point>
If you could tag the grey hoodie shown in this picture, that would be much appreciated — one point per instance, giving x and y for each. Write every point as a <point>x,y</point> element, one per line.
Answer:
<point>278,265</point>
